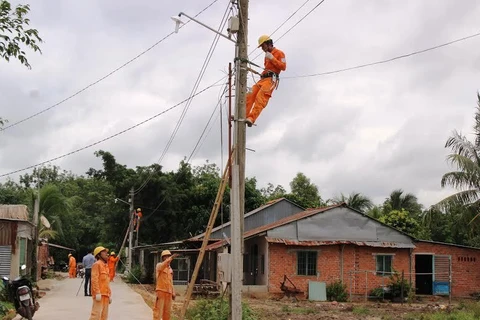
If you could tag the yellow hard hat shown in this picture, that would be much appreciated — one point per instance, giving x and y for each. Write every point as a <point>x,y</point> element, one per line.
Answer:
<point>166,253</point>
<point>112,253</point>
<point>139,209</point>
<point>98,250</point>
<point>262,39</point>
<point>69,254</point>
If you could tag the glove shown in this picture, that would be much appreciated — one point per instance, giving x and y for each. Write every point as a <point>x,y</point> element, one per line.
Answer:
<point>110,300</point>
<point>98,297</point>
<point>268,55</point>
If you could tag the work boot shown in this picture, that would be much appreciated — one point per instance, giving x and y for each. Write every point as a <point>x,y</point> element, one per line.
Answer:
<point>249,122</point>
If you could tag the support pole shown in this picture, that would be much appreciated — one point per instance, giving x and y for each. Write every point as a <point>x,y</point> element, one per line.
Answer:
<point>206,237</point>
<point>229,118</point>
<point>130,236</point>
<point>238,169</point>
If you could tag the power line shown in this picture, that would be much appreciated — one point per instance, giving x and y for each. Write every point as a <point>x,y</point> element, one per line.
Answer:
<point>301,19</point>
<point>283,23</point>
<point>114,135</point>
<point>187,106</point>
<point>104,77</point>
<point>386,60</point>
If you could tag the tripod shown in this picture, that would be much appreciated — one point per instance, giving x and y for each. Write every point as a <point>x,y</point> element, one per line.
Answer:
<point>83,279</point>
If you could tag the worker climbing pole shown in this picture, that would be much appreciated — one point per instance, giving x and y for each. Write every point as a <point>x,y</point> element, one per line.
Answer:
<point>262,90</point>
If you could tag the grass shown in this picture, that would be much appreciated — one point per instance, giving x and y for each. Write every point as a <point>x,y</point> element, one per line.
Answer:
<point>297,310</point>
<point>466,311</point>
<point>361,311</point>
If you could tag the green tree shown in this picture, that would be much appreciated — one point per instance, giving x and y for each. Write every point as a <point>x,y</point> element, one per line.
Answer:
<point>355,201</point>
<point>403,221</point>
<point>399,200</point>
<point>14,34</point>
<point>304,192</point>
<point>465,157</point>
<point>375,212</point>
<point>271,192</point>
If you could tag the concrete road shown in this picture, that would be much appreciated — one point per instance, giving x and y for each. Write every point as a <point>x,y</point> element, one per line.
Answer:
<point>61,302</point>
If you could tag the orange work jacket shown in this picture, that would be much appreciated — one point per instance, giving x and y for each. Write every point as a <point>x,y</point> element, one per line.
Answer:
<point>112,261</point>
<point>72,263</point>
<point>100,279</point>
<point>164,276</point>
<point>277,64</point>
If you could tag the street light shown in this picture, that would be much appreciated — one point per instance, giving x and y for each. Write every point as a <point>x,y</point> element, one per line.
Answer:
<point>232,28</point>
<point>116,200</point>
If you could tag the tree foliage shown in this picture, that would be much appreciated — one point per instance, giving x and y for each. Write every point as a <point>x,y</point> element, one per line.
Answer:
<point>355,201</point>
<point>15,34</point>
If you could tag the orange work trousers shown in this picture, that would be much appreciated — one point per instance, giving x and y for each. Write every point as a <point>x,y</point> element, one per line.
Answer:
<point>100,309</point>
<point>163,306</point>
<point>257,99</point>
<point>72,272</point>
<point>112,274</point>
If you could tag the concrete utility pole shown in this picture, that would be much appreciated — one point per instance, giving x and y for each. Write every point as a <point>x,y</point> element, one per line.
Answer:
<point>36,213</point>
<point>130,235</point>
<point>238,172</point>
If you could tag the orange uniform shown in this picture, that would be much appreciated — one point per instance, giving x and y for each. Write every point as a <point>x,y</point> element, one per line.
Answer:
<point>100,285</point>
<point>165,290</point>
<point>72,265</point>
<point>112,263</point>
<point>262,91</point>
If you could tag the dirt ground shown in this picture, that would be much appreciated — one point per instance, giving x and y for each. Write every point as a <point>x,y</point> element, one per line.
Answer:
<point>289,309</point>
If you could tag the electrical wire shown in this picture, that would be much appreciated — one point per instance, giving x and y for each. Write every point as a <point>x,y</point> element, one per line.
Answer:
<point>114,135</point>
<point>386,60</point>
<point>198,142</point>
<point>301,19</point>
<point>187,106</point>
<point>104,77</point>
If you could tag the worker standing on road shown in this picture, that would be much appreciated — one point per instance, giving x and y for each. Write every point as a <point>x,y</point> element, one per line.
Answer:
<point>72,266</point>
<point>101,292</point>
<point>164,287</point>
<point>112,264</point>
<point>88,262</point>
<point>262,90</point>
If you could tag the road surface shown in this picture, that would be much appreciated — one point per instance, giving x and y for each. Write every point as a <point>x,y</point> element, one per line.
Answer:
<point>61,302</point>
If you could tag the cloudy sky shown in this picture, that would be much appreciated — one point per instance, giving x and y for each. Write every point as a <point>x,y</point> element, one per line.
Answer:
<point>369,130</point>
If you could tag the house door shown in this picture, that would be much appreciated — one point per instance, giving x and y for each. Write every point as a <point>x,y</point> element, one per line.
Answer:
<point>441,274</point>
<point>254,263</point>
<point>424,274</point>
<point>5,260</point>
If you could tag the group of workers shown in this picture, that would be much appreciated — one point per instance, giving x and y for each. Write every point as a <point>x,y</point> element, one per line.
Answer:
<point>100,271</point>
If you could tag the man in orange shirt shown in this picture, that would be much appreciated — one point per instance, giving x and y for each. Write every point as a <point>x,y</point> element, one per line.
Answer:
<point>112,264</point>
<point>262,91</point>
<point>164,287</point>
<point>100,286</point>
<point>72,266</point>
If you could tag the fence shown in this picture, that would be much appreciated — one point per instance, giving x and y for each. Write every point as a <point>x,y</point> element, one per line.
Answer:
<point>368,284</point>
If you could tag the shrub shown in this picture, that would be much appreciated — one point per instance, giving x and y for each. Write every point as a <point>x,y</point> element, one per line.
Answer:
<point>337,291</point>
<point>5,308</point>
<point>396,284</point>
<point>216,309</point>
<point>135,275</point>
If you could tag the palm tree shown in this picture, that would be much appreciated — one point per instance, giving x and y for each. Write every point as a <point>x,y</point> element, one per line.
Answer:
<point>398,201</point>
<point>466,158</point>
<point>355,201</point>
<point>54,206</point>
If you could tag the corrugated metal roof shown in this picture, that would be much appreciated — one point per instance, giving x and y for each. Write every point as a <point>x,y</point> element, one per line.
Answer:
<point>281,222</point>
<point>14,212</point>
<point>378,244</point>
<point>292,218</point>
<point>263,207</point>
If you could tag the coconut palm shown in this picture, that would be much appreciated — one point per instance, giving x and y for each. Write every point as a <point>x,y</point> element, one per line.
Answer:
<point>466,159</point>
<point>355,201</point>
<point>399,200</point>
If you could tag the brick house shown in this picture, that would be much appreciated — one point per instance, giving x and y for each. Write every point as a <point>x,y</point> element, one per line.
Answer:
<point>340,243</point>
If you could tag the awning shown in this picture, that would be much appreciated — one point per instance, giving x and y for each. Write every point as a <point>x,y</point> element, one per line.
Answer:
<point>60,247</point>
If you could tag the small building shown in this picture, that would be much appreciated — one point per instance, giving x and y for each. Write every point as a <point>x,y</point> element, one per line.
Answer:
<point>337,243</point>
<point>16,240</point>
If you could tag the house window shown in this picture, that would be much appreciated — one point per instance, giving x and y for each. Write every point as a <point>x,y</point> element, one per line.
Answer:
<point>307,263</point>
<point>384,265</point>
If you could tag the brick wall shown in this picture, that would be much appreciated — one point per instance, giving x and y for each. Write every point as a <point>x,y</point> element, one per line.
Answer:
<point>465,266</point>
<point>356,260</point>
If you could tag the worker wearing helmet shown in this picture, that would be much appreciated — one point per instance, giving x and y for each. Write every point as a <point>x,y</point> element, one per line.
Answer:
<point>101,292</point>
<point>72,266</point>
<point>164,287</point>
<point>112,264</point>
<point>262,91</point>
